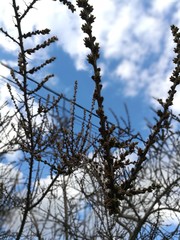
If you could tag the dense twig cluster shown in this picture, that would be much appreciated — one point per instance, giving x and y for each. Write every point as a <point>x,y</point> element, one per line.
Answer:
<point>107,178</point>
<point>32,137</point>
<point>107,141</point>
<point>68,4</point>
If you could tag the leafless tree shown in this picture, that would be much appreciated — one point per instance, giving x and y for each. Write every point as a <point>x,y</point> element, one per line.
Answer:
<point>70,183</point>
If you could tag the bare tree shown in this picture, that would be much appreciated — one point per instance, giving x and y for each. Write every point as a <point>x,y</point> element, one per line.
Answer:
<point>110,185</point>
<point>30,127</point>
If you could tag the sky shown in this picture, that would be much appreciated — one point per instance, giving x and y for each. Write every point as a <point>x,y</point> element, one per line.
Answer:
<point>136,52</point>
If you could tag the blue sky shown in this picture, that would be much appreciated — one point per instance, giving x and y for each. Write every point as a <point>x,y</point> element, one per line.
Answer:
<point>136,52</point>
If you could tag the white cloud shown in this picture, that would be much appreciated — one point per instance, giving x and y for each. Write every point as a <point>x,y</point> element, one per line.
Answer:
<point>6,22</point>
<point>14,156</point>
<point>9,175</point>
<point>135,34</point>
<point>125,71</point>
<point>7,110</point>
<point>53,202</point>
<point>161,6</point>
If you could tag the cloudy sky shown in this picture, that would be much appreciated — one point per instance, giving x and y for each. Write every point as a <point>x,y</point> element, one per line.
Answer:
<point>136,51</point>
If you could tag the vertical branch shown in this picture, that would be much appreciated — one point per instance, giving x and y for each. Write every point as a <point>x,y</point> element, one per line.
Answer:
<point>107,141</point>
<point>65,201</point>
<point>29,140</point>
<point>104,129</point>
<point>23,70</point>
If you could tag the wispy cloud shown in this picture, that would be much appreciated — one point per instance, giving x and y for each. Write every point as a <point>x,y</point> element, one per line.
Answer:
<point>134,36</point>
